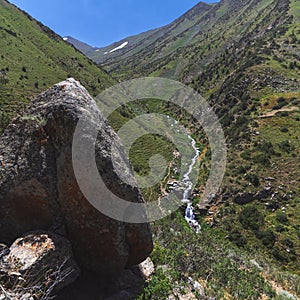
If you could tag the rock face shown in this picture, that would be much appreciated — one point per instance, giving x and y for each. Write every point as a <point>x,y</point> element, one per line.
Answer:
<point>40,262</point>
<point>38,188</point>
<point>127,286</point>
<point>3,250</point>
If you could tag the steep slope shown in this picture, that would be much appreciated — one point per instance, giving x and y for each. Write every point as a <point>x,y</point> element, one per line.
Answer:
<point>185,27</point>
<point>243,56</point>
<point>224,25</point>
<point>245,60</point>
<point>82,47</point>
<point>32,58</point>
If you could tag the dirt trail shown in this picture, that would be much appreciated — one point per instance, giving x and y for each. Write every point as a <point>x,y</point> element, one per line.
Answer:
<point>273,112</point>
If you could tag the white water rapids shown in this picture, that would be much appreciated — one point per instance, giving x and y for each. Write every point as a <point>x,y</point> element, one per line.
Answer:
<point>187,183</point>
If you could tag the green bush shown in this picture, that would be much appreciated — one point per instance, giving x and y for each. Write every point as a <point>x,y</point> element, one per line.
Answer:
<point>281,217</point>
<point>159,287</point>
<point>267,237</point>
<point>286,146</point>
<point>251,218</point>
<point>265,147</point>
<point>243,284</point>
<point>253,178</point>
<point>262,159</point>
<point>279,228</point>
<point>288,243</point>
<point>246,154</point>
<point>236,237</point>
<point>284,129</point>
<point>282,114</point>
<point>279,254</point>
<point>281,100</point>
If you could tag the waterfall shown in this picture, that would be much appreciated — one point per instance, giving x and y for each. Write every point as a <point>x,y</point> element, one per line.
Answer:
<point>189,211</point>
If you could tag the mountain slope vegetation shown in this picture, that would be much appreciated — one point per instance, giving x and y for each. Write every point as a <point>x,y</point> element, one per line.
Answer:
<point>32,58</point>
<point>186,25</point>
<point>243,56</point>
<point>189,44</point>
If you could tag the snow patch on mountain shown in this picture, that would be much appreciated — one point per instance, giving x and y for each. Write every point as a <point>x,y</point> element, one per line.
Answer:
<point>119,47</point>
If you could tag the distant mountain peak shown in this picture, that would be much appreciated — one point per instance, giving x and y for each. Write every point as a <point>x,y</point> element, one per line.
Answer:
<point>81,46</point>
<point>196,10</point>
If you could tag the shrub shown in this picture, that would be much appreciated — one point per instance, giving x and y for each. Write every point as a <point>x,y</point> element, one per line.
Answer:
<point>279,228</point>
<point>159,286</point>
<point>253,178</point>
<point>284,129</point>
<point>236,237</point>
<point>246,154</point>
<point>285,146</point>
<point>262,159</point>
<point>287,242</point>
<point>267,237</point>
<point>282,114</point>
<point>265,147</point>
<point>279,255</point>
<point>280,105</point>
<point>281,217</point>
<point>251,218</point>
<point>280,100</point>
<point>241,169</point>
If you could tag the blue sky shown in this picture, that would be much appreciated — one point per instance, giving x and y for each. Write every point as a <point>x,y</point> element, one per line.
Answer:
<point>102,22</point>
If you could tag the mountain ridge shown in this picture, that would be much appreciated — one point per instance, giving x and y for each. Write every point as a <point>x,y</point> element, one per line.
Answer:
<point>150,36</point>
<point>243,58</point>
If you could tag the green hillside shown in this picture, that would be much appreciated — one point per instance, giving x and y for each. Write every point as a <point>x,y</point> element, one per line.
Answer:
<point>181,54</point>
<point>185,26</point>
<point>244,58</point>
<point>32,58</point>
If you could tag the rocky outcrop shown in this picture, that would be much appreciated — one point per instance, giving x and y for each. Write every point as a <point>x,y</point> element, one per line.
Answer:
<point>126,286</point>
<point>38,188</point>
<point>247,197</point>
<point>38,264</point>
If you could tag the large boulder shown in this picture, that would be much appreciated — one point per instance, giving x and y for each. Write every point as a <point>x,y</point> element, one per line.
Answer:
<point>40,263</point>
<point>38,188</point>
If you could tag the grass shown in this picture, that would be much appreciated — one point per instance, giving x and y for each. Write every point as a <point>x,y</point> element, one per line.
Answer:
<point>271,130</point>
<point>206,258</point>
<point>284,173</point>
<point>33,58</point>
<point>283,68</point>
<point>269,101</point>
<point>295,9</point>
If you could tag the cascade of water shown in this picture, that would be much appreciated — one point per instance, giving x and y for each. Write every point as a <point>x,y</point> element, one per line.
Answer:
<point>189,211</point>
<point>186,179</point>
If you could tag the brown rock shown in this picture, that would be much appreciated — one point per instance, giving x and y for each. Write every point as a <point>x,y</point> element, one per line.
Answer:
<point>39,263</point>
<point>38,186</point>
